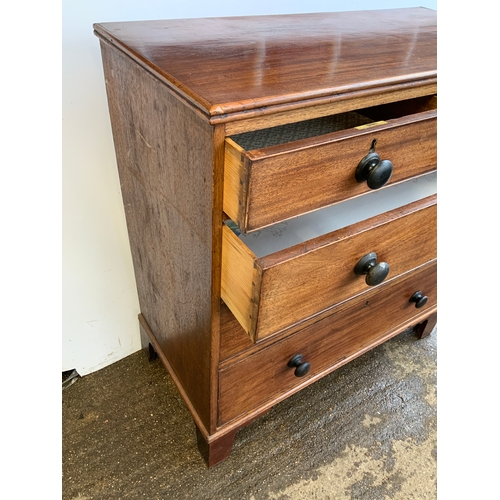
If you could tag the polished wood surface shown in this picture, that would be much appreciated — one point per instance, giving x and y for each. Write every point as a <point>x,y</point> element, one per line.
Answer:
<point>227,65</point>
<point>300,281</point>
<point>344,334</point>
<point>268,185</point>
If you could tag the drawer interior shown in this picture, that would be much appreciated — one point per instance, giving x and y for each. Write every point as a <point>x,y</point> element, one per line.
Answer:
<point>291,132</point>
<point>320,222</point>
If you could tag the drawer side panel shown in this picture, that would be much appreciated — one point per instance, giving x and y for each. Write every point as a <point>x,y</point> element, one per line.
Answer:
<point>235,182</point>
<point>240,280</point>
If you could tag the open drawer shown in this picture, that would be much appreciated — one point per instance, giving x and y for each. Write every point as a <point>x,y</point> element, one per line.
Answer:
<point>267,293</point>
<point>278,173</point>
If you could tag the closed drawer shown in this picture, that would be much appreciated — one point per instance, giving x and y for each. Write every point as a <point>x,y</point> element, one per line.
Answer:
<point>363,323</point>
<point>275,174</point>
<point>267,294</point>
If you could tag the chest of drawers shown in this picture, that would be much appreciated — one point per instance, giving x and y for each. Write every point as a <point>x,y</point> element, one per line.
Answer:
<point>278,180</point>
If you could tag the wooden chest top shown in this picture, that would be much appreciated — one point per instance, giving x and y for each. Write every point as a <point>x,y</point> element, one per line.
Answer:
<point>237,64</point>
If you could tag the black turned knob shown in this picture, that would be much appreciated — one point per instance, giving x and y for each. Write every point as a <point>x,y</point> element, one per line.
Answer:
<point>301,368</point>
<point>373,170</point>
<point>375,272</point>
<point>419,298</point>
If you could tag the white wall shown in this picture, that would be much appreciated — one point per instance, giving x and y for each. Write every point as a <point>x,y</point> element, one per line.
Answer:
<point>100,304</point>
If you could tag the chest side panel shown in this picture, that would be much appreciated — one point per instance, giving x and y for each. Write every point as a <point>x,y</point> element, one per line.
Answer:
<point>165,158</point>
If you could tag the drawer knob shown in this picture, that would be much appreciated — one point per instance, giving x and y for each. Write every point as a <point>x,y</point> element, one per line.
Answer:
<point>375,272</point>
<point>419,298</point>
<point>373,170</point>
<point>301,368</point>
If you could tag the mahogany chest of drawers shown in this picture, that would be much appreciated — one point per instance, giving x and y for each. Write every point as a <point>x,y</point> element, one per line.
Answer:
<point>278,180</point>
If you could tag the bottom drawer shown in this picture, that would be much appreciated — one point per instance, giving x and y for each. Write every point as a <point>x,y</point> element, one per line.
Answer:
<point>351,330</point>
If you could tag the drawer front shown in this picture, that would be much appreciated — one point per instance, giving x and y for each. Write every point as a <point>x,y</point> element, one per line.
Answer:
<point>274,292</point>
<point>363,323</point>
<point>272,184</point>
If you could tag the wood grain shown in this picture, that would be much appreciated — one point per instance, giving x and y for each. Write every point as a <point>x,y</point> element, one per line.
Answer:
<point>272,184</point>
<point>230,65</point>
<point>326,344</point>
<point>240,281</point>
<point>235,182</point>
<point>165,161</point>
<point>234,340</point>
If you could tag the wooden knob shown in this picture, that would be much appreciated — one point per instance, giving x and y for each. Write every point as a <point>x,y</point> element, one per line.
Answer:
<point>301,368</point>
<point>419,298</point>
<point>375,272</point>
<point>373,170</point>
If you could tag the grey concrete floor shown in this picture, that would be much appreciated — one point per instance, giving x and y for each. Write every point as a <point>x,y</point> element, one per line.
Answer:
<point>366,432</point>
